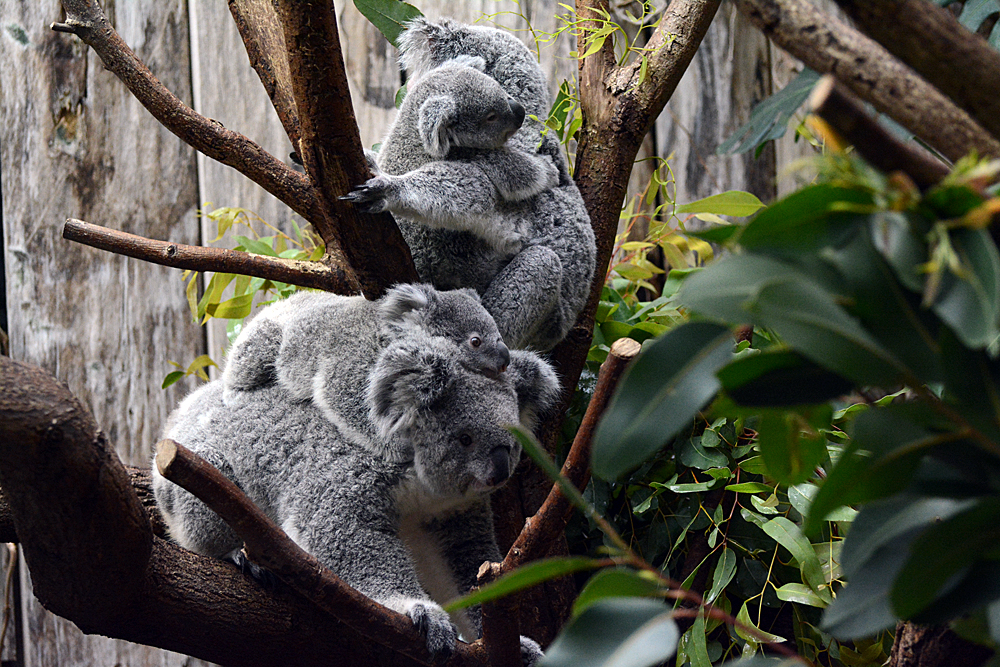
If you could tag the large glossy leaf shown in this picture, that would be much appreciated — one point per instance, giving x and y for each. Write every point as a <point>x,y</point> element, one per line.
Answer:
<point>616,632</point>
<point>813,217</point>
<point>970,304</point>
<point>389,16</point>
<point>780,377</point>
<point>896,237</point>
<point>734,202</point>
<point>943,551</point>
<point>614,582</point>
<point>790,536</point>
<point>659,395</point>
<point>792,442</point>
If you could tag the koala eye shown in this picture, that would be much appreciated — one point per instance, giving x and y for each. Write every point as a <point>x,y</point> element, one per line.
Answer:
<point>475,341</point>
<point>492,118</point>
<point>465,440</point>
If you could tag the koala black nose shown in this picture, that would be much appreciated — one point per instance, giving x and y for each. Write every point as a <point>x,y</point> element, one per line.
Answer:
<point>517,109</point>
<point>503,358</point>
<point>499,465</point>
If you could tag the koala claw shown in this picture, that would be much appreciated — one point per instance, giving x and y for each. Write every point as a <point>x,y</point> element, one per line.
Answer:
<point>434,624</point>
<point>369,197</point>
<point>531,652</point>
<point>261,575</point>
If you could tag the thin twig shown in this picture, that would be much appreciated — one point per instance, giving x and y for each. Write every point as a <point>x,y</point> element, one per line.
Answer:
<point>197,258</point>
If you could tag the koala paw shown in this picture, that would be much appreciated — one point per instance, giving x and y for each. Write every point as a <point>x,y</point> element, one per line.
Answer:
<point>371,197</point>
<point>531,652</point>
<point>435,625</point>
<point>261,575</point>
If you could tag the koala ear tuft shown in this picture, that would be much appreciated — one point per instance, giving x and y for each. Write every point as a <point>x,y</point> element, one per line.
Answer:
<point>416,46</point>
<point>437,115</point>
<point>476,62</point>
<point>406,305</point>
<point>535,382</point>
<point>405,381</point>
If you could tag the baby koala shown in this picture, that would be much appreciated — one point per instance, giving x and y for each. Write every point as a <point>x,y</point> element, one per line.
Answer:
<point>451,167</point>
<point>321,347</point>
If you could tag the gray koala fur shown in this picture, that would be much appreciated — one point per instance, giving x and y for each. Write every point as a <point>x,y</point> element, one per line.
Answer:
<point>405,530</point>
<point>298,343</point>
<point>529,250</point>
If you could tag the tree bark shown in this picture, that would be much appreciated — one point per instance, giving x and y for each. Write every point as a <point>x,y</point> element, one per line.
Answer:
<point>830,46</point>
<point>934,646</point>
<point>928,38</point>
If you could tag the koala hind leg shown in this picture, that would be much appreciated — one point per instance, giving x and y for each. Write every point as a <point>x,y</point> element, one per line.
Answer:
<point>251,361</point>
<point>524,296</point>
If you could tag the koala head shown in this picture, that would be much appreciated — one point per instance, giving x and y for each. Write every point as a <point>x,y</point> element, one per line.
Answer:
<point>457,105</point>
<point>456,315</point>
<point>451,421</point>
<point>426,44</point>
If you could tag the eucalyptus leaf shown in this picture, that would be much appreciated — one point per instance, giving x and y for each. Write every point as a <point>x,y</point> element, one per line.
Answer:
<point>389,16</point>
<point>769,119</point>
<point>614,582</point>
<point>734,202</point>
<point>524,577</point>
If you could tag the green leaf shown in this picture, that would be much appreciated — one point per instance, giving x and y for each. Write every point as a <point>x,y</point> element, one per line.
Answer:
<point>970,304</point>
<point>790,536</point>
<point>749,487</point>
<point>792,442</point>
<point>733,202</point>
<point>695,455</point>
<point>942,551</point>
<point>616,632</point>
<point>236,308</point>
<point>697,648</point>
<point>758,636</point>
<point>725,570</point>
<point>524,577</point>
<point>171,378</point>
<point>776,377</point>
<point>769,119</point>
<point>659,395</point>
<point>801,594</point>
<point>389,16</point>
<point>614,582</point>
<point>255,246</point>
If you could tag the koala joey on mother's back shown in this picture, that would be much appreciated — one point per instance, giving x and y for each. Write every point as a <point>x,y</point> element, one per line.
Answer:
<point>506,220</point>
<point>409,530</point>
<point>321,347</point>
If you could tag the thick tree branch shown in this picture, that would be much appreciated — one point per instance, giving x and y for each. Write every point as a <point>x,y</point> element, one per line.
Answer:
<point>86,20</point>
<point>330,147</point>
<point>928,38</point>
<point>196,258</point>
<point>848,117</point>
<point>267,545</point>
<point>830,46</point>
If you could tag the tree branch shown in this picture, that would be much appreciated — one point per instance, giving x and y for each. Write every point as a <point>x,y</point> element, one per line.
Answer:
<point>86,20</point>
<point>330,147</point>
<point>196,258</point>
<point>928,38</point>
<point>267,545</point>
<point>830,46</point>
<point>848,117</point>
<point>550,520</point>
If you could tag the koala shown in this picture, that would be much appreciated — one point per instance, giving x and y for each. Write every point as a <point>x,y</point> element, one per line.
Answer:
<point>495,218</point>
<point>321,347</point>
<point>408,530</point>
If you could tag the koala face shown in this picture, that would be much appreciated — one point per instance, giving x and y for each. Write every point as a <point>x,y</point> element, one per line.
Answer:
<point>460,106</point>
<point>455,315</point>
<point>452,421</point>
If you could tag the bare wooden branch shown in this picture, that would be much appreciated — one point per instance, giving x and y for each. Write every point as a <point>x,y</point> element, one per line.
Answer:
<point>67,499</point>
<point>267,545</point>
<point>501,635</point>
<point>196,258</point>
<point>830,46</point>
<point>959,63</point>
<point>264,38</point>
<point>551,518</point>
<point>86,20</point>
<point>848,117</point>
<point>331,150</point>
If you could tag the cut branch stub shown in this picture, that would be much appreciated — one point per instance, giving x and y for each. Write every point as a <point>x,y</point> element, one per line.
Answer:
<point>69,494</point>
<point>331,150</point>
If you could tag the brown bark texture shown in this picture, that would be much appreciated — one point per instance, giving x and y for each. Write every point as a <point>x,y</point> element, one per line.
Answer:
<point>198,258</point>
<point>928,38</point>
<point>934,646</point>
<point>830,46</point>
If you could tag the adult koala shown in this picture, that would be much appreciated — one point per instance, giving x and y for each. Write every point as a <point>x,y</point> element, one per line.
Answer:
<point>528,251</point>
<point>404,529</point>
<point>321,347</point>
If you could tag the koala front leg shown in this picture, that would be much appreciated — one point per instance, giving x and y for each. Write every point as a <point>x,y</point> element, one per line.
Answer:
<point>518,175</point>
<point>454,195</point>
<point>524,296</point>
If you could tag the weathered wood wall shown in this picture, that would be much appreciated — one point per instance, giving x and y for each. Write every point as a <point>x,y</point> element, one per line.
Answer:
<point>73,143</point>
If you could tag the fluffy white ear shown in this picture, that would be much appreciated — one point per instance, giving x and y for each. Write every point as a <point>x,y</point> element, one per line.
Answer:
<point>405,381</point>
<point>535,382</point>
<point>416,46</point>
<point>405,305</point>
<point>436,117</point>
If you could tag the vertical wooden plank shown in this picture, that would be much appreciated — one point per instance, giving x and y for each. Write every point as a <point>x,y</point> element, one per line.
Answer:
<point>74,143</point>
